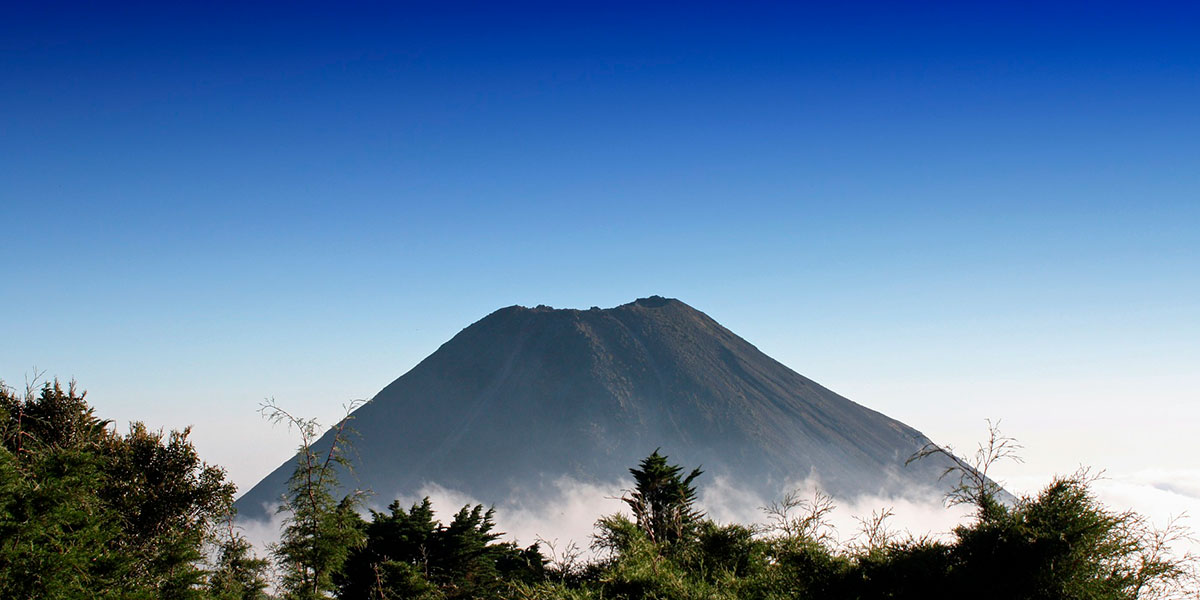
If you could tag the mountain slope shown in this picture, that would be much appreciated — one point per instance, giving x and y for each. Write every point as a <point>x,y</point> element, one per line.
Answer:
<point>527,395</point>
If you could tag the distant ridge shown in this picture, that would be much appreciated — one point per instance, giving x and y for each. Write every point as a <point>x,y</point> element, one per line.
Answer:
<point>527,395</point>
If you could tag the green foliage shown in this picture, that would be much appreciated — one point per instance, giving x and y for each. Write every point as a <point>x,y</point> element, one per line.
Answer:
<point>238,574</point>
<point>1061,544</point>
<point>910,568</point>
<point>408,554</point>
<point>720,562</point>
<point>167,502</point>
<point>319,531</point>
<point>662,501</point>
<point>86,512</point>
<point>56,536</point>
<point>721,550</point>
<point>1065,544</point>
<point>395,558</point>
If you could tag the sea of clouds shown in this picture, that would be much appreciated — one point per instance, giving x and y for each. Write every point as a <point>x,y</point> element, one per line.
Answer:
<point>564,511</point>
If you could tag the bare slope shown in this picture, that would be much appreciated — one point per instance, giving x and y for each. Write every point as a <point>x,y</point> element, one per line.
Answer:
<point>526,395</point>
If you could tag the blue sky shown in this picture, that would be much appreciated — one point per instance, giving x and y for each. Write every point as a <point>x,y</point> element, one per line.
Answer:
<point>944,211</point>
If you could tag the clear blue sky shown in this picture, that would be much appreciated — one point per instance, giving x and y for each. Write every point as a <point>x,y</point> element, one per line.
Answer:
<point>943,211</point>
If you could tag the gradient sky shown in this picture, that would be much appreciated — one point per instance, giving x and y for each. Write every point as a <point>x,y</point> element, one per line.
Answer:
<point>946,212</point>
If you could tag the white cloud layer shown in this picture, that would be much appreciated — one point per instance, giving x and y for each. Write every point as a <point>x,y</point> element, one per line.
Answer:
<point>567,509</point>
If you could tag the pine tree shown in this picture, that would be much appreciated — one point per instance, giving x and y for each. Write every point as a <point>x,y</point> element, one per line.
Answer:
<point>410,555</point>
<point>662,501</point>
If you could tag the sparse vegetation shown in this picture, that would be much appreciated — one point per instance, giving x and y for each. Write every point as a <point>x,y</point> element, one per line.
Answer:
<point>319,531</point>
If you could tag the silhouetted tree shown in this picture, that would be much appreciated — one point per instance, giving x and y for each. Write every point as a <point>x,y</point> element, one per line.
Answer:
<point>408,554</point>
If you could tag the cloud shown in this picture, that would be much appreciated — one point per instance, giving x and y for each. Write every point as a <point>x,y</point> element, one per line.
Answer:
<point>262,533</point>
<point>1161,495</point>
<point>562,512</point>
<point>916,511</point>
<point>565,510</point>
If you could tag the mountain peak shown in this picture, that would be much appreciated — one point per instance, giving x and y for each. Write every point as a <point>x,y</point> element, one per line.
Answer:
<point>647,302</point>
<point>655,302</point>
<point>534,394</point>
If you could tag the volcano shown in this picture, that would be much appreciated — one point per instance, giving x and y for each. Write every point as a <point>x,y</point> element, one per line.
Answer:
<point>528,395</point>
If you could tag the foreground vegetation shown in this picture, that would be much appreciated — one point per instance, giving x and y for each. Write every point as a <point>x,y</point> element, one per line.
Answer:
<point>86,512</point>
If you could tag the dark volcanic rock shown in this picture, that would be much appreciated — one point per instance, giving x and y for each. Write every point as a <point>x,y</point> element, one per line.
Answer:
<point>528,395</point>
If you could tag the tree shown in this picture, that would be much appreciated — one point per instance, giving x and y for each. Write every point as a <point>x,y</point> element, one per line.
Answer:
<point>975,486</point>
<point>87,512</point>
<point>319,531</point>
<point>408,554</point>
<point>1064,544</point>
<point>168,503</point>
<point>395,559</point>
<point>662,501</point>
<point>238,574</point>
<point>1061,544</point>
